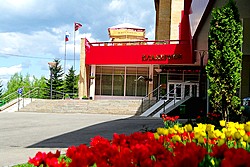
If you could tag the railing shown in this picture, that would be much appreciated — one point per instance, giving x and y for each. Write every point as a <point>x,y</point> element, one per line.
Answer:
<point>27,95</point>
<point>165,103</point>
<point>8,98</point>
<point>30,93</point>
<point>139,42</point>
<point>165,99</point>
<point>155,94</point>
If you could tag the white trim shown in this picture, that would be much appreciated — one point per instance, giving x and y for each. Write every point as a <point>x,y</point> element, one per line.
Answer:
<point>92,82</point>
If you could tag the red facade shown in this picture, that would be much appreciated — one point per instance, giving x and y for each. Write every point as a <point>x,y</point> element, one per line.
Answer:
<point>159,52</point>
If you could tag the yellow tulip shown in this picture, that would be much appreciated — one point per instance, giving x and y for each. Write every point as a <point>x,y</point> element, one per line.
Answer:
<point>242,132</point>
<point>201,126</point>
<point>244,144</point>
<point>196,129</point>
<point>217,133</point>
<point>209,127</point>
<point>176,138</point>
<point>197,135</point>
<point>180,130</point>
<point>247,127</point>
<point>201,140</point>
<point>228,134</point>
<point>176,127</point>
<point>211,135</point>
<point>171,131</point>
<point>248,140</point>
<point>224,130</point>
<point>159,131</point>
<point>203,134</point>
<point>221,142</point>
<point>189,128</point>
<point>156,135</point>
<point>230,124</point>
<point>165,131</point>
<point>223,136</point>
<point>245,137</point>
<point>222,123</point>
<point>237,135</point>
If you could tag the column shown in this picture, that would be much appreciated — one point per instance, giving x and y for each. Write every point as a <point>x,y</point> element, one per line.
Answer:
<point>92,82</point>
<point>82,89</point>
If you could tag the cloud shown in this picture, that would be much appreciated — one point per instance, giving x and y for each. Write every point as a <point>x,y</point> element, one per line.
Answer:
<point>7,72</point>
<point>10,70</point>
<point>116,4</point>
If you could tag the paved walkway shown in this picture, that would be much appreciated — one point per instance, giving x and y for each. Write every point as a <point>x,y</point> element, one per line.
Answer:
<point>22,135</point>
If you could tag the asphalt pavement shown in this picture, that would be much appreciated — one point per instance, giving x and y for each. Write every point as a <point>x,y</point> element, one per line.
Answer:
<point>22,134</point>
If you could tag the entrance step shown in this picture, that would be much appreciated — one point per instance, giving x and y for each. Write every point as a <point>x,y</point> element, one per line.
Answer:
<point>124,107</point>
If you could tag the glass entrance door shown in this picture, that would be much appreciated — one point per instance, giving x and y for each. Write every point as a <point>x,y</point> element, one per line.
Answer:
<point>181,90</point>
<point>191,89</point>
<point>174,91</point>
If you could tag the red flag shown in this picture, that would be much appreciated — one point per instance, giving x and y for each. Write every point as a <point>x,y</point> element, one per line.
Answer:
<point>77,26</point>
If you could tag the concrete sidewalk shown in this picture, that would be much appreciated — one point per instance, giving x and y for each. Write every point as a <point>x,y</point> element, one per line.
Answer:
<point>22,134</point>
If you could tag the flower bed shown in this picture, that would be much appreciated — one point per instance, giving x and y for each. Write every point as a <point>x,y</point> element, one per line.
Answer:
<point>174,146</point>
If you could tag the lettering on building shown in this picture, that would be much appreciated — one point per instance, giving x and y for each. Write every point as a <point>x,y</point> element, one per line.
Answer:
<point>161,57</point>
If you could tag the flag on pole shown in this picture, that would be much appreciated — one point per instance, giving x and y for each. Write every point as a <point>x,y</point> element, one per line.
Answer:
<point>66,36</point>
<point>77,26</point>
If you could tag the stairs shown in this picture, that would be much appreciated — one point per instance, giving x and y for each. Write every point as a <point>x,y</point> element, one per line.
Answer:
<point>159,107</point>
<point>123,107</point>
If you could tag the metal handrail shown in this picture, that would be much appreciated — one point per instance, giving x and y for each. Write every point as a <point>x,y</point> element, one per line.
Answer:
<point>148,96</point>
<point>152,92</point>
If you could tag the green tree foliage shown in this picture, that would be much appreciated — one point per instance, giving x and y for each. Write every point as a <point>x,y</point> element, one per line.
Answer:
<point>1,89</point>
<point>41,85</point>
<point>16,81</point>
<point>71,81</point>
<point>225,56</point>
<point>27,83</point>
<point>57,81</point>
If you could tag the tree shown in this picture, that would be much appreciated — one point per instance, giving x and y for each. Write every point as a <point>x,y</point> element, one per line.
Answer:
<point>40,84</point>
<point>1,89</point>
<point>57,81</point>
<point>15,82</point>
<point>71,82</point>
<point>225,56</point>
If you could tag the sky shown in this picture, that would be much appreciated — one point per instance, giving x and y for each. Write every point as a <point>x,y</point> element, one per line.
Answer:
<point>32,32</point>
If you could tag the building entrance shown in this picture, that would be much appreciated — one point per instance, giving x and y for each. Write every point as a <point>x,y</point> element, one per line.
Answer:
<point>180,90</point>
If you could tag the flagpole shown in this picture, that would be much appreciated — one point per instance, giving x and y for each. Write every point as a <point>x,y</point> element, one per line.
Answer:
<point>74,45</point>
<point>76,27</point>
<point>64,64</point>
<point>74,58</point>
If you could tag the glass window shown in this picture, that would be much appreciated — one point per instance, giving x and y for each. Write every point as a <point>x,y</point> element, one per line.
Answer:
<point>107,70</point>
<point>191,77</point>
<point>194,90</point>
<point>131,70</point>
<point>119,70</point>
<point>118,89</point>
<point>141,88</point>
<point>131,85</point>
<point>142,71</point>
<point>97,84</point>
<point>98,70</point>
<point>187,90</point>
<point>178,91</point>
<point>175,77</point>
<point>110,81</point>
<point>106,85</point>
